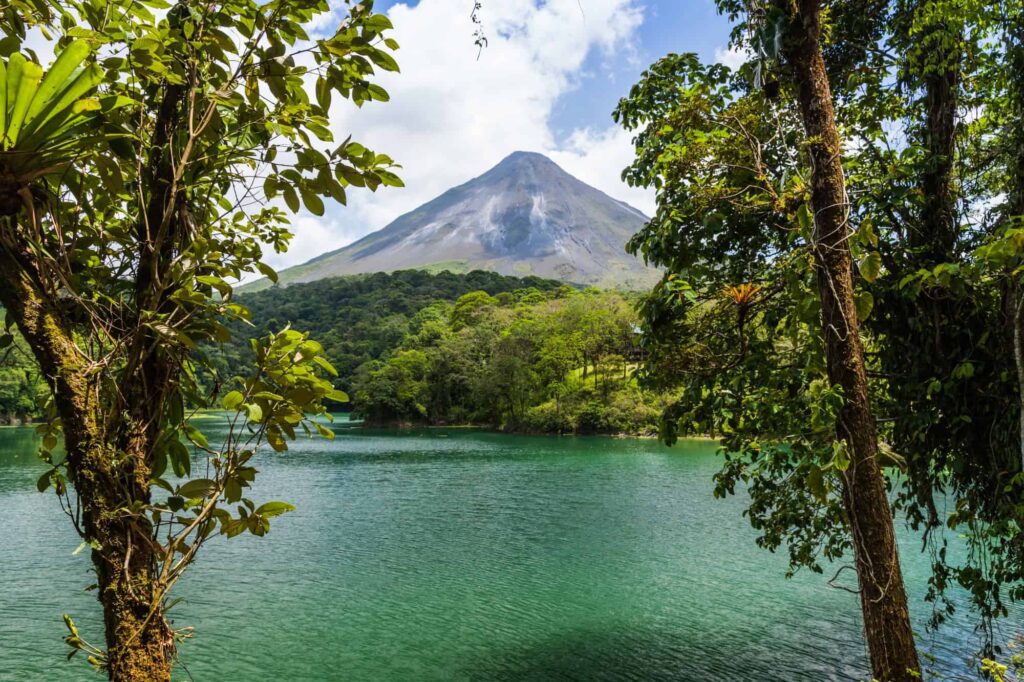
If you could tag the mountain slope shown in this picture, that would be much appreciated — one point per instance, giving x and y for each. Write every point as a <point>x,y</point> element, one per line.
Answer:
<point>525,216</point>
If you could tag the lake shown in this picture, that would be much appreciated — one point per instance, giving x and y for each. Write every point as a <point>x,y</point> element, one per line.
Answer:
<point>466,555</point>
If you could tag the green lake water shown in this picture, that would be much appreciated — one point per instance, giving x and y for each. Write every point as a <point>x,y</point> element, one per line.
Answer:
<point>463,555</point>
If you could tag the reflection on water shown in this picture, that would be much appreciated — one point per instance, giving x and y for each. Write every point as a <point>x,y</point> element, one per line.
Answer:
<point>463,555</point>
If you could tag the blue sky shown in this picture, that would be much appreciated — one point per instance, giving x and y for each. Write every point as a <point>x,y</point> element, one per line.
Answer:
<point>548,82</point>
<point>668,26</point>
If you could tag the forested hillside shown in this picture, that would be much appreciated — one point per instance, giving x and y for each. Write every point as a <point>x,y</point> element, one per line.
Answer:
<point>479,348</point>
<point>522,354</point>
<point>555,362</point>
<point>360,317</point>
<point>21,386</point>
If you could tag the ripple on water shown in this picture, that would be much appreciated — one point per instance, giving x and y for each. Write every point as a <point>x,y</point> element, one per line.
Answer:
<point>471,556</point>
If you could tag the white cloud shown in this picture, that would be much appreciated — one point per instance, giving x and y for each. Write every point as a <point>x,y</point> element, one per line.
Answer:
<point>313,236</point>
<point>733,57</point>
<point>597,158</point>
<point>452,116</point>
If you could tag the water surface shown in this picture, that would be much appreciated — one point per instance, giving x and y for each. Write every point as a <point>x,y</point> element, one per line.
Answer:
<point>463,555</point>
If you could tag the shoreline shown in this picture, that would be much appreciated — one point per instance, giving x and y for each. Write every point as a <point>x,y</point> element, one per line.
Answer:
<point>409,426</point>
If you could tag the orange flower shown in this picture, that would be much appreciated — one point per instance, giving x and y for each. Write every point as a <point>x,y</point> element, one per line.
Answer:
<point>743,294</point>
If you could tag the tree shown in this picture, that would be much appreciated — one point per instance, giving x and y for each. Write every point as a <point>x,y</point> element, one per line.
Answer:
<point>883,599</point>
<point>759,316</point>
<point>469,307</point>
<point>141,175</point>
<point>932,186</point>
<point>931,221</point>
<point>513,362</point>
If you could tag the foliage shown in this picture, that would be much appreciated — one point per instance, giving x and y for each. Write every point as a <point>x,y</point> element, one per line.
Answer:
<point>1008,671</point>
<point>22,389</point>
<point>357,318</point>
<point>734,326</point>
<point>555,362</point>
<point>144,171</point>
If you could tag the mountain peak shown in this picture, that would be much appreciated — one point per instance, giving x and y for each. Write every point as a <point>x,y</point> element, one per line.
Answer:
<point>525,157</point>
<point>519,162</point>
<point>525,215</point>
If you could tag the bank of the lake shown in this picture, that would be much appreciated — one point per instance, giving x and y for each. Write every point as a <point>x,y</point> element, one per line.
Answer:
<point>466,555</point>
<point>399,425</point>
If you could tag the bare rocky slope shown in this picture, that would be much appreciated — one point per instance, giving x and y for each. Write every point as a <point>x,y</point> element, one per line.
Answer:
<point>525,216</point>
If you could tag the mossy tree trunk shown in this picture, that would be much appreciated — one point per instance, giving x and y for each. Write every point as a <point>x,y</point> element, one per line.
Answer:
<point>108,481</point>
<point>110,455</point>
<point>883,598</point>
<point>1015,141</point>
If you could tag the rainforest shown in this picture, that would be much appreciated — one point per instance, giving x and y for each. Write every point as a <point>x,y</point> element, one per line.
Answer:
<point>512,340</point>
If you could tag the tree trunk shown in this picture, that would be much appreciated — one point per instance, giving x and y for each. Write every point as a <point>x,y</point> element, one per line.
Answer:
<point>1018,357</point>
<point>139,644</point>
<point>890,639</point>
<point>937,236</point>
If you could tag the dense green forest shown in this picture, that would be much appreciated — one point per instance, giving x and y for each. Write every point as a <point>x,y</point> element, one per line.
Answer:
<point>21,387</point>
<point>478,348</point>
<point>560,362</point>
<point>412,347</point>
<point>357,318</point>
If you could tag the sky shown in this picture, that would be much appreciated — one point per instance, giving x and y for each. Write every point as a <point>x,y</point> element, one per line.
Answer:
<point>548,80</point>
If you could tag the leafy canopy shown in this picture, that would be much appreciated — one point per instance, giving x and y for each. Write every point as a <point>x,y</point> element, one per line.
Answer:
<point>142,173</point>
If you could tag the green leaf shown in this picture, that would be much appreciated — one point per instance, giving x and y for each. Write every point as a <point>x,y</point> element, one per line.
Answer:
<point>865,304</point>
<point>28,83</point>
<point>383,60</point>
<point>870,265</point>
<point>222,287</point>
<point>233,399</point>
<point>378,93</point>
<point>840,455</point>
<point>254,411</point>
<point>816,482</point>
<point>268,272</point>
<point>326,365</point>
<point>197,488</point>
<point>181,460</point>
<point>313,202</point>
<point>337,396</point>
<point>196,436</point>
<point>269,509</point>
<point>290,198</point>
<point>57,77</point>
<point>390,179</point>
<point>325,432</point>
<point>44,481</point>
<point>804,219</point>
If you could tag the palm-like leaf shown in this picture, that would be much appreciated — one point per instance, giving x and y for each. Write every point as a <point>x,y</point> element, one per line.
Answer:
<point>42,118</point>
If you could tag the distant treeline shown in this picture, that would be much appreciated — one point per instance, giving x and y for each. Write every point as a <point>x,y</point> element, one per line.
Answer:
<point>411,347</point>
<point>22,389</point>
<point>478,348</point>
<point>359,317</point>
<point>557,362</point>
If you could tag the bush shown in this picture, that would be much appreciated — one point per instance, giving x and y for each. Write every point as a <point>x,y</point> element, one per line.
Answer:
<point>549,417</point>
<point>594,417</point>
